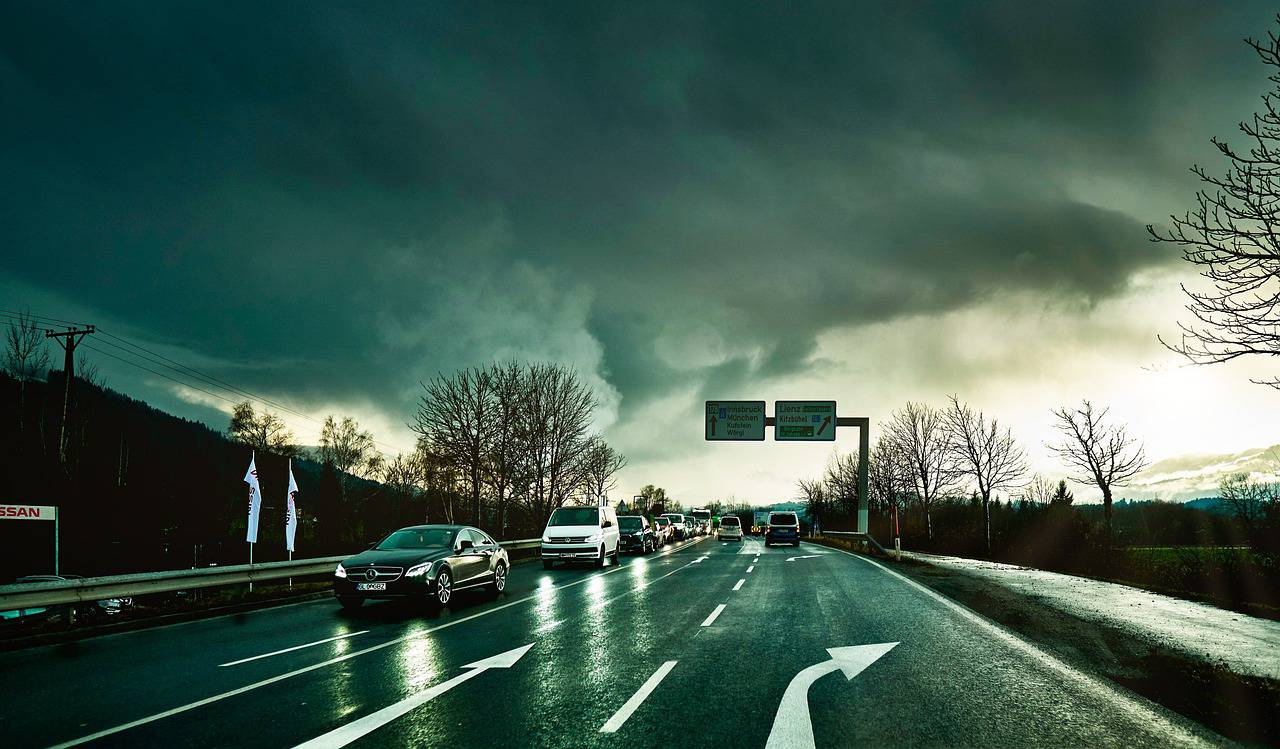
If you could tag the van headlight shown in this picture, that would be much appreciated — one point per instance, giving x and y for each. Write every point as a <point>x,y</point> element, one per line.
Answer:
<point>418,570</point>
<point>594,538</point>
<point>340,572</point>
<point>546,539</point>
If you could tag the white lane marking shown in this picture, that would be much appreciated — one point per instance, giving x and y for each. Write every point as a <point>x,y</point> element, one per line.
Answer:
<point>614,723</point>
<point>699,559</point>
<point>792,728</point>
<point>707,622</point>
<point>340,737</point>
<point>740,582</point>
<point>803,556</point>
<point>752,567</point>
<point>1140,710</point>
<point>344,657</point>
<point>290,650</point>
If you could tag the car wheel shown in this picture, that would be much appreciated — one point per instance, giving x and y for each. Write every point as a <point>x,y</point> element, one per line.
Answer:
<point>444,587</point>
<point>547,564</point>
<point>350,603</point>
<point>500,577</point>
<point>617,550</point>
<point>600,559</point>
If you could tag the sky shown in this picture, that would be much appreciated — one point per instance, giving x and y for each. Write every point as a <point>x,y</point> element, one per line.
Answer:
<point>326,203</point>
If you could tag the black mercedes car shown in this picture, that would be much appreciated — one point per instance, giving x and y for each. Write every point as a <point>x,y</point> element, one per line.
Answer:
<point>635,534</point>
<point>429,562</point>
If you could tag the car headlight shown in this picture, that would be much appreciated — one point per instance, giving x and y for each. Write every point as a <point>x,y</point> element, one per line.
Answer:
<point>546,539</point>
<point>594,538</point>
<point>340,572</point>
<point>418,570</point>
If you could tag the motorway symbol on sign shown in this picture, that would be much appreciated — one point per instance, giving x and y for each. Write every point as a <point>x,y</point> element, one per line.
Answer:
<point>340,737</point>
<point>804,421</point>
<point>792,728</point>
<point>735,420</point>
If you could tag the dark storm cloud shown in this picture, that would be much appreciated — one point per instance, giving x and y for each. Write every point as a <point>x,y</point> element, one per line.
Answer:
<point>371,192</point>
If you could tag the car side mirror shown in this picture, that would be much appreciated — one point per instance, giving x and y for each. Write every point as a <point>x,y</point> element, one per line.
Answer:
<point>607,524</point>
<point>370,546</point>
<point>465,544</point>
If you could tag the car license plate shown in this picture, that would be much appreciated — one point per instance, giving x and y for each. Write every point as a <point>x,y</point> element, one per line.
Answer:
<point>371,586</point>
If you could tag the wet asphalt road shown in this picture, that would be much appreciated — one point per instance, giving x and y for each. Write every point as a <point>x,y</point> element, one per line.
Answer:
<point>597,638</point>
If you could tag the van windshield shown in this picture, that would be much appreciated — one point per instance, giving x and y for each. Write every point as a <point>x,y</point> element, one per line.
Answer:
<point>575,516</point>
<point>783,518</point>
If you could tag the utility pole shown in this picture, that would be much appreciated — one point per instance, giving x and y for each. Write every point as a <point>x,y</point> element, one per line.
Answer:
<point>68,340</point>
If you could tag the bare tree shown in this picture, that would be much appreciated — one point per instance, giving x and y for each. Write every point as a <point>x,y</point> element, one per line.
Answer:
<point>454,415</point>
<point>265,431</point>
<point>555,421</point>
<point>985,453</point>
<point>1038,490</point>
<point>25,356</point>
<point>919,433</point>
<point>1233,237</point>
<point>507,461</point>
<point>1099,453</point>
<point>814,494</point>
<point>600,466</point>
<point>89,373</point>
<point>888,475</point>
<point>349,449</point>
<point>841,481</point>
<point>1250,501</point>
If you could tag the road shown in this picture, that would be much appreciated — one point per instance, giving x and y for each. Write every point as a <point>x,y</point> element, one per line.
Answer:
<point>707,644</point>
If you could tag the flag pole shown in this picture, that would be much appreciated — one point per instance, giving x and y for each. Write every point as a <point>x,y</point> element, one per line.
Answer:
<point>250,566</point>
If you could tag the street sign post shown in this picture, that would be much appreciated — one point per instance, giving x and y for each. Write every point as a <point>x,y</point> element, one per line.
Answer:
<point>793,421</point>
<point>35,512</point>
<point>804,421</point>
<point>735,421</point>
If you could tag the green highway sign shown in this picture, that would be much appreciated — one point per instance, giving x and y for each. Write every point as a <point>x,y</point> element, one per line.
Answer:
<point>804,421</point>
<point>735,420</point>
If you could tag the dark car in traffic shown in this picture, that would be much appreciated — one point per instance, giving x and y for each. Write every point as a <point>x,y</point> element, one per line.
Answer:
<point>423,562</point>
<point>635,534</point>
<point>783,528</point>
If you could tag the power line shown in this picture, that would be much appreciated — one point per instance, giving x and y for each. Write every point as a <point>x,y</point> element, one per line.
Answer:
<point>184,371</point>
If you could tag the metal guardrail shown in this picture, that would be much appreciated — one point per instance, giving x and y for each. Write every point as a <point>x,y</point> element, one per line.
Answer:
<point>61,592</point>
<point>862,536</point>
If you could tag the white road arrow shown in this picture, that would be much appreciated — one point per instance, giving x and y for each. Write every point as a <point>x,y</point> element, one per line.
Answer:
<point>792,728</point>
<point>340,737</point>
<point>805,556</point>
<point>699,559</point>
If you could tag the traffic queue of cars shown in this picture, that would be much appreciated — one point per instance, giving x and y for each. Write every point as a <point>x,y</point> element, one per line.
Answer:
<point>433,562</point>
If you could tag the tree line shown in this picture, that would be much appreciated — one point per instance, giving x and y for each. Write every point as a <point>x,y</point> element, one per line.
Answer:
<point>498,446</point>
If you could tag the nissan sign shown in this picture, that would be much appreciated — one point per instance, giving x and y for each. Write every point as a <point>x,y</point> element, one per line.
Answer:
<point>28,512</point>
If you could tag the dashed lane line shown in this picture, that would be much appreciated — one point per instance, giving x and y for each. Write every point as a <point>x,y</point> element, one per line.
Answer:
<point>290,650</point>
<point>614,723</point>
<point>344,657</point>
<point>708,621</point>
<point>740,582</point>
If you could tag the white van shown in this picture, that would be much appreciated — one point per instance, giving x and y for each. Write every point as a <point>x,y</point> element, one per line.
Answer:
<point>577,534</point>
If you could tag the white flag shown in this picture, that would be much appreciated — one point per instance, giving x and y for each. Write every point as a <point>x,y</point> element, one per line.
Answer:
<point>255,501</point>
<point>291,513</point>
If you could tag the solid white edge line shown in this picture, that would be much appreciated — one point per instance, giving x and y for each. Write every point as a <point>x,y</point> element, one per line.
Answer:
<point>290,650</point>
<point>1138,708</point>
<point>338,659</point>
<point>707,622</point>
<point>739,584</point>
<point>615,722</point>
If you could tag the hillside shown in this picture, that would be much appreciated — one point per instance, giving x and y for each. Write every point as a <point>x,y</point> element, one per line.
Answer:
<point>148,490</point>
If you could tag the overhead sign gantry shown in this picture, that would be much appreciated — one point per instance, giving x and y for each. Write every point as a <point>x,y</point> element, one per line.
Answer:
<point>793,421</point>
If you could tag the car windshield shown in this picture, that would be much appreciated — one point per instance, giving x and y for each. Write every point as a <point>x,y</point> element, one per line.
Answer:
<point>729,522</point>
<point>675,518</point>
<point>664,522</point>
<point>575,516</point>
<point>418,538</point>
<point>782,518</point>
<point>629,523</point>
